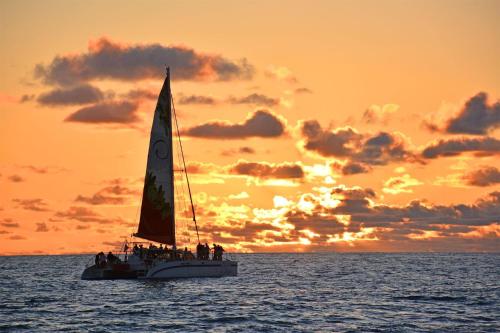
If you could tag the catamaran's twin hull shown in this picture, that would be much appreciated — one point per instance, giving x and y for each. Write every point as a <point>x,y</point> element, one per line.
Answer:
<point>167,270</point>
<point>192,269</point>
<point>96,273</point>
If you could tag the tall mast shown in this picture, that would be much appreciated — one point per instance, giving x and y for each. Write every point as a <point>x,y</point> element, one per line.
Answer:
<point>171,160</point>
<point>185,169</point>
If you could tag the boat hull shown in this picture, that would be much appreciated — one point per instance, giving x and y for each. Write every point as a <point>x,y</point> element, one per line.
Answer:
<point>110,273</point>
<point>192,269</point>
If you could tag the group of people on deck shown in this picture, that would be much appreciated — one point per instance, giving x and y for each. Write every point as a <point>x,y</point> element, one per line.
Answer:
<point>101,260</point>
<point>203,252</point>
<point>154,252</point>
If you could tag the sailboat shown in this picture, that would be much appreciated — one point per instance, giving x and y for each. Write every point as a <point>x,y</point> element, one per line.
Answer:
<point>157,218</point>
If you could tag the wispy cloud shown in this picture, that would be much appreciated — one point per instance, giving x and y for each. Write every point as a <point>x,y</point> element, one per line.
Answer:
<point>457,146</point>
<point>111,112</point>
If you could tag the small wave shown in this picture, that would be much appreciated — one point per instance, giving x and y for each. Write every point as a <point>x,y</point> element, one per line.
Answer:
<point>432,298</point>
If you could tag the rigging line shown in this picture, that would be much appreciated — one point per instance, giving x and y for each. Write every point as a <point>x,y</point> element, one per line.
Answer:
<point>182,203</point>
<point>185,170</point>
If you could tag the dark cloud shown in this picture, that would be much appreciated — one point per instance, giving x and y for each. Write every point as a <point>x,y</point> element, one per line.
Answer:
<point>457,146</point>
<point>44,169</point>
<point>82,227</point>
<point>353,168</point>
<point>41,227</point>
<point>303,90</point>
<point>476,117</point>
<point>317,223</point>
<point>194,167</point>
<point>411,226</point>
<point>485,176</point>
<point>266,170</point>
<point>16,179</point>
<point>141,94</point>
<point>27,98</point>
<point>338,143</point>
<point>246,231</point>
<point>196,99</point>
<point>360,150</point>
<point>261,123</point>
<point>37,205</point>
<point>246,150</point>
<point>121,112</point>
<point>239,151</point>
<point>83,214</point>
<point>82,94</point>
<point>17,237</point>
<point>9,224</point>
<point>106,59</point>
<point>418,215</point>
<point>109,195</point>
<point>255,99</point>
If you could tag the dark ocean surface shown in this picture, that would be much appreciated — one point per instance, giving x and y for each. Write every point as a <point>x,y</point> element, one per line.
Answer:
<point>273,292</point>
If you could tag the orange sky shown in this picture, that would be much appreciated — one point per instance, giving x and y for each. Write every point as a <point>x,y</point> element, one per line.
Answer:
<point>339,126</point>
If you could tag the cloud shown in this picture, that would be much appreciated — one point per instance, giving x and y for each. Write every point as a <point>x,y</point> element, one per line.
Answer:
<point>9,224</point>
<point>379,113</point>
<point>41,227</point>
<point>303,90</point>
<point>261,123</point>
<point>43,170</point>
<point>16,179</point>
<point>255,99</point>
<point>400,184</point>
<point>246,231</point>
<point>110,195</point>
<point>246,150</point>
<point>141,94</point>
<point>353,168</point>
<point>347,218</point>
<point>421,216</point>
<point>17,237</point>
<point>82,94</point>
<point>264,170</point>
<point>485,176</point>
<point>456,146</point>
<point>239,151</point>
<point>280,73</point>
<point>26,98</point>
<point>476,117</point>
<point>121,112</point>
<point>360,150</point>
<point>194,167</point>
<point>82,227</point>
<point>196,100</point>
<point>106,59</point>
<point>36,205</point>
<point>84,214</point>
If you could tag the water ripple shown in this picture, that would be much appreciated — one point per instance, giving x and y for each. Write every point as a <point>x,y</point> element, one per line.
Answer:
<point>273,292</point>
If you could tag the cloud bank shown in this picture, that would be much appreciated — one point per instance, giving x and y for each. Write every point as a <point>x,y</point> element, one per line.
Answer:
<point>106,59</point>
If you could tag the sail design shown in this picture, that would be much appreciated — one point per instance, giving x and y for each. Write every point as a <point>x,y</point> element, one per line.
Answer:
<point>157,221</point>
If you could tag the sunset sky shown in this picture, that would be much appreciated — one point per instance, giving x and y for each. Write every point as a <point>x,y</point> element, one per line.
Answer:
<point>307,126</point>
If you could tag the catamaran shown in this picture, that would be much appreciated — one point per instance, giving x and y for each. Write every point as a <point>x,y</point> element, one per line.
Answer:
<point>157,219</point>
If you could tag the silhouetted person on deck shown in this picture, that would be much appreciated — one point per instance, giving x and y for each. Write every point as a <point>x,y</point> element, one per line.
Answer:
<point>207,252</point>
<point>199,251</point>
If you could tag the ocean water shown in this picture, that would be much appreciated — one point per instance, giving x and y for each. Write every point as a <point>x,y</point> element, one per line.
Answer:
<point>311,292</point>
